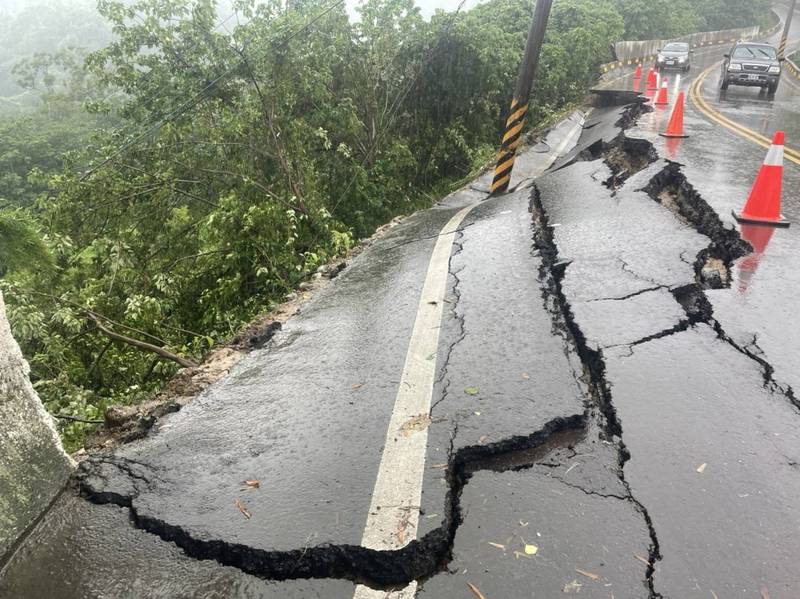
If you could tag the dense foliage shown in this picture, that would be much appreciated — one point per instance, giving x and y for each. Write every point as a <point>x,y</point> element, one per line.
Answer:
<point>192,171</point>
<point>649,19</point>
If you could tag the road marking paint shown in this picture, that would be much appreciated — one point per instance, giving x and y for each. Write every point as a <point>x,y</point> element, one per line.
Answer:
<point>695,94</point>
<point>394,509</point>
<point>644,76</point>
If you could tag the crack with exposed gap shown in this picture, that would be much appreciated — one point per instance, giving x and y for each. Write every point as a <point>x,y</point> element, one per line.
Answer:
<point>699,310</point>
<point>430,555</point>
<point>712,266</point>
<point>457,230</point>
<point>625,156</point>
<point>551,275</point>
<point>420,559</point>
<point>767,370</point>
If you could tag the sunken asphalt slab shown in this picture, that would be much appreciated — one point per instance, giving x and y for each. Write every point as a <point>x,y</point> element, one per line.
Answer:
<point>712,439</point>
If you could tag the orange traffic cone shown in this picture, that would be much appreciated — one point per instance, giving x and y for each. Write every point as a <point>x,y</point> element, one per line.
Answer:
<point>638,73</point>
<point>675,126</point>
<point>764,204</point>
<point>652,81</point>
<point>662,99</point>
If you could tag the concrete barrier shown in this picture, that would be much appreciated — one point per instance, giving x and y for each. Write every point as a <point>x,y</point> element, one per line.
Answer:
<point>791,67</point>
<point>630,53</point>
<point>33,464</point>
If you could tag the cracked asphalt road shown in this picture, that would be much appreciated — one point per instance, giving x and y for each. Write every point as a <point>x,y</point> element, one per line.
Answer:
<point>613,411</point>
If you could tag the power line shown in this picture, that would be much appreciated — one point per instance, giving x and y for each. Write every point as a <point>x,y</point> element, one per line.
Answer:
<point>199,96</point>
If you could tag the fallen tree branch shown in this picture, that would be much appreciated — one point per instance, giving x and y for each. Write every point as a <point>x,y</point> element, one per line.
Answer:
<point>75,419</point>
<point>160,351</point>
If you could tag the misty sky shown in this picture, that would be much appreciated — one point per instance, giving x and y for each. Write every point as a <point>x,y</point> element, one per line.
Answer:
<point>427,7</point>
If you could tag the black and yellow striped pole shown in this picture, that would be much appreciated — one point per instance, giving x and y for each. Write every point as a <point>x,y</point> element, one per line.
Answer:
<point>786,30</point>
<point>519,104</point>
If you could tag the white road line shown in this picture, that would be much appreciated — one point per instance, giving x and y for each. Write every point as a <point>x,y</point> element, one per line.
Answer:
<point>394,510</point>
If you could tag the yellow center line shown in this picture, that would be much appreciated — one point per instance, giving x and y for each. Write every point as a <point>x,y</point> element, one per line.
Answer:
<point>695,94</point>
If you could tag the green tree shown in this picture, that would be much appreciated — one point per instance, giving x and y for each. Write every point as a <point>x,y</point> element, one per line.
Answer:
<point>21,246</point>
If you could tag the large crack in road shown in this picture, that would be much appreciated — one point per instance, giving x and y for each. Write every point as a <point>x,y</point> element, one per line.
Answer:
<point>551,275</point>
<point>632,171</point>
<point>383,569</point>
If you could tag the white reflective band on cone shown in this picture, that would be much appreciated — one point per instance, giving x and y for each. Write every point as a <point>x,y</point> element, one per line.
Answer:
<point>774,156</point>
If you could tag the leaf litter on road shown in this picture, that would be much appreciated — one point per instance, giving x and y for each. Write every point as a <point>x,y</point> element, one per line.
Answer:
<point>572,587</point>
<point>417,423</point>
<point>472,390</point>
<point>242,508</point>
<point>402,526</point>
<point>250,485</point>
<point>643,560</point>
<point>590,575</point>
<point>475,591</point>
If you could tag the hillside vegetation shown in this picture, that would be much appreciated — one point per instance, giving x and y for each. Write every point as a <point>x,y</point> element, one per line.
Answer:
<point>184,177</point>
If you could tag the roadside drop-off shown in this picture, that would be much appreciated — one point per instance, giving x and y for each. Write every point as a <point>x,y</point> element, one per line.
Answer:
<point>33,467</point>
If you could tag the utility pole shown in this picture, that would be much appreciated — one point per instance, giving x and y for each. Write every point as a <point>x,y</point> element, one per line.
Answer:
<point>786,29</point>
<point>519,104</point>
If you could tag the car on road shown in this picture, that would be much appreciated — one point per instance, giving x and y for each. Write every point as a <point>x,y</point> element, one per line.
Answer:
<point>675,55</point>
<point>752,65</point>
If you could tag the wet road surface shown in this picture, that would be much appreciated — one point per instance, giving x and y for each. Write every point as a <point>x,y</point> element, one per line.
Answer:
<point>612,412</point>
<point>759,111</point>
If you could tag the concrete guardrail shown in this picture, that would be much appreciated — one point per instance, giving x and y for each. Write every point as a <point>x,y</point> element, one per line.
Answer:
<point>790,66</point>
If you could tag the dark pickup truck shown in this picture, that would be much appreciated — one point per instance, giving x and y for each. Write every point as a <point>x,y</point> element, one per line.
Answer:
<point>753,65</point>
